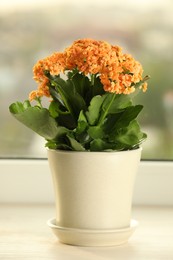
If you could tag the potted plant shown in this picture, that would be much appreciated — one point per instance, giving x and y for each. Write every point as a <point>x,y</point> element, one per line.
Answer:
<point>92,136</point>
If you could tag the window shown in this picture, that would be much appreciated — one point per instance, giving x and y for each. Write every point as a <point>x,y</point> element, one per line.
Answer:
<point>31,30</point>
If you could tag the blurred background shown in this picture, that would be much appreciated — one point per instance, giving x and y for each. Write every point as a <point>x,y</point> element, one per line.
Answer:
<point>31,30</point>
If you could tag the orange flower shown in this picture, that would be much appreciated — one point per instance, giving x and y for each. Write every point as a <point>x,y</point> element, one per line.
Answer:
<point>118,72</point>
<point>144,87</point>
<point>43,90</point>
<point>33,95</point>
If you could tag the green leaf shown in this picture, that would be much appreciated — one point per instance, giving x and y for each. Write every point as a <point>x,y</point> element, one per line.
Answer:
<point>66,120</point>
<point>94,110</point>
<point>26,104</point>
<point>131,136</point>
<point>55,145</point>
<point>38,119</point>
<point>81,84</point>
<point>80,133</point>
<point>100,145</point>
<point>105,111</point>
<point>51,144</point>
<point>82,117</point>
<point>61,134</point>
<point>53,109</point>
<point>129,114</point>
<point>116,123</point>
<point>76,146</point>
<point>109,124</point>
<point>119,103</point>
<point>97,87</point>
<point>72,100</point>
<point>55,95</point>
<point>82,123</point>
<point>16,108</point>
<point>95,132</point>
<point>56,108</point>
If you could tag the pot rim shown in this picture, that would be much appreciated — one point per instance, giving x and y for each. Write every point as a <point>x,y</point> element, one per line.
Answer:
<point>94,152</point>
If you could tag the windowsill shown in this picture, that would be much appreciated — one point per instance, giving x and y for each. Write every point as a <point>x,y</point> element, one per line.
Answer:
<point>25,234</point>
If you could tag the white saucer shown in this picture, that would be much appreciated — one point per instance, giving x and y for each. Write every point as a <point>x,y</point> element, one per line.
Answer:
<point>88,237</point>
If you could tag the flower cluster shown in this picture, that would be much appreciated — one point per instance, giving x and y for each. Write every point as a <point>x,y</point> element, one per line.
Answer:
<point>118,72</point>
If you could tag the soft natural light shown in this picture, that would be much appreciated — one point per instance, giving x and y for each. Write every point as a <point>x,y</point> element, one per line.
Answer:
<point>31,30</point>
<point>8,5</point>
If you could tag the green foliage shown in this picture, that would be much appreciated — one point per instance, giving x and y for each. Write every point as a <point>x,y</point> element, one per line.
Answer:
<point>94,109</point>
<point>82,116</point>
<point>39,120</point>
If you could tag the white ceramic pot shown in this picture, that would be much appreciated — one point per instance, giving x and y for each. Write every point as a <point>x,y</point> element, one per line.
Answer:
<point>93,190</point>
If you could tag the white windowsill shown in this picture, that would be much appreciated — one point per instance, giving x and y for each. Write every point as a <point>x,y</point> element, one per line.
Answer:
<point>25,235</point>
<point>29,181</point>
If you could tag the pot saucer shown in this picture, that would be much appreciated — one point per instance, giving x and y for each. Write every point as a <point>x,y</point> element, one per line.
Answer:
<point>89,237</point>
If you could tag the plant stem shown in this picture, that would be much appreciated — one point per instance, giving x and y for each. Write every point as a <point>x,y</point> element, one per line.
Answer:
<point>39,102</point>
<point>93,79</point>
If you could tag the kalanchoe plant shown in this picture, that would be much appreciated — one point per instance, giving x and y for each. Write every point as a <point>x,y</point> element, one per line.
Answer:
<point>91,109</point>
